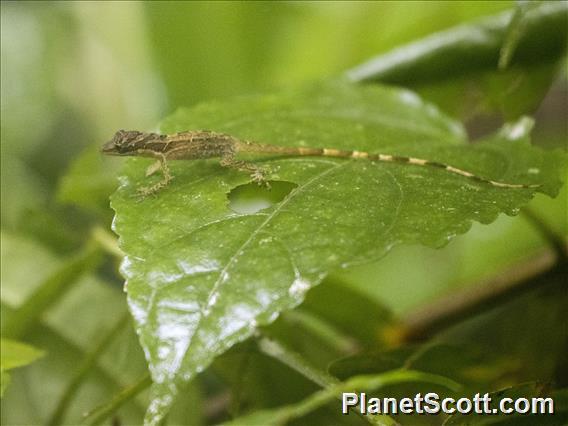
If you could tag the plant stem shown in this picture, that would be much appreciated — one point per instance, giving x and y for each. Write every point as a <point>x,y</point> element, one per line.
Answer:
<point>84,369</point>
<point>323,330</point>
<point>237,390</point>
<point>103,412</point>
<point>556,242</point>
<point>364,383</point>
<point>295,361</point>
<point>481,297</point>
<point>107,241</point>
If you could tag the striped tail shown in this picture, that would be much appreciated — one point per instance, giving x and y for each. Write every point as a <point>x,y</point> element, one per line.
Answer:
<point>338,153</point>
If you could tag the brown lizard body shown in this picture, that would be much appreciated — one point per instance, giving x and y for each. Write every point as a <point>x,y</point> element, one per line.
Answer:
<point>202,144</point>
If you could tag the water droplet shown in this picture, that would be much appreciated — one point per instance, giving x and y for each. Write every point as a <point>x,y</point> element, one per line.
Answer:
<point>299,287</point>
<point>213,299</point>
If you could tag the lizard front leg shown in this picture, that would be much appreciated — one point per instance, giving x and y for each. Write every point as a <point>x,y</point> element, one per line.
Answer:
<point>257,173</point>
<point>162,165</point>
<point>153,168</point>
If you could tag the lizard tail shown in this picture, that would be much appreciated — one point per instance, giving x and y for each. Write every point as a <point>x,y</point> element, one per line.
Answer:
<point>338,153</point>
<point>426,163</point>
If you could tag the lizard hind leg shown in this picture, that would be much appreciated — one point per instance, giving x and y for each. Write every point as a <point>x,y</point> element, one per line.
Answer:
<point>257,173</point>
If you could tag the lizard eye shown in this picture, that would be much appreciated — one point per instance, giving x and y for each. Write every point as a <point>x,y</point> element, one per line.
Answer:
<point>120,139</point>
<point>123,147</point>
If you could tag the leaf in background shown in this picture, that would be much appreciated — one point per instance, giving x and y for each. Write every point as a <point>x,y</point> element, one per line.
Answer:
<point>367,383</point>
<point>458,68</point>
<point>201,277</point>
<point>88,182</point>
<point>529,330</point>
<point>470,365</point>
<point>15,354</point>
<point>514,31</point>
<point>472,47</point>
<point>510,93</point>
<point>528,390</point>
<point>354,315</point>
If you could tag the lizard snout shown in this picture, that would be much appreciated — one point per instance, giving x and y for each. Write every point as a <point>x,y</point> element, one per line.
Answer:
<point>109,148</point>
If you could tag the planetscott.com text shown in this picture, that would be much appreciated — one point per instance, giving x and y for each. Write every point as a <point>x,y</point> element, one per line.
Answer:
<point>431,403</point>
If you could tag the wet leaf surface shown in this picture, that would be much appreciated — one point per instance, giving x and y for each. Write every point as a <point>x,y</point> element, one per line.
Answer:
<point>202,277</point>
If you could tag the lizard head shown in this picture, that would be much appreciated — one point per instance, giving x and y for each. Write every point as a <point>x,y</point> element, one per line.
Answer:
<point>124,142</point>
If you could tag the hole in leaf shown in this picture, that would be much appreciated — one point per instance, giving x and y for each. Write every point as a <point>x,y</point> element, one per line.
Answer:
<point>250,198</point>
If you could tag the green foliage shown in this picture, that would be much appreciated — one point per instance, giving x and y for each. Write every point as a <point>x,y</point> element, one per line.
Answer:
<point>361,383</point>
<point>53,288</point>
<point>527,391</point>
<point>482,40</point>
<point>66,332</point>
<point>15,354</point>
<point>457,68</point>
<point>201,277</point>
<point>87,183</point>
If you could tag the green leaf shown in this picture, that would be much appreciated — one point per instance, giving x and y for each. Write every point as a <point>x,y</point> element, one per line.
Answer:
<point>358,383</point>
<point>529,391</point>
<point>509,93</point>
<point>201,277</point>
<point>458,70</point>
<point>29,314</point>
<point>88,182</point>
<point>4,382</point>
<point>15,354</point>
<point>350,311</point>
<point>471,366</point>
<point>472,47</point>
<point>514,32</point>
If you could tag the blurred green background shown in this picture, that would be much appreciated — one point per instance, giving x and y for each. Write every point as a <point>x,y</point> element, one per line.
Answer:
<point>72,73</point>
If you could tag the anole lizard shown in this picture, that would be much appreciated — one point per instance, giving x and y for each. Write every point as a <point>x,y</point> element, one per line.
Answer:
<point>202,144</point>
